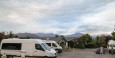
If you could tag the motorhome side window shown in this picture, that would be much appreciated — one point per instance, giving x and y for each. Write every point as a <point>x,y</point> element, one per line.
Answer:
<point>11,46</point>
<point>38,47</point>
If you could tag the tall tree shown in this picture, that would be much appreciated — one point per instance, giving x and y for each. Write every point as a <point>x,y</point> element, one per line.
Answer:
<point>86,39</point>
<point>102,40</point>
<point>113,35</point>
<point>2,36</point>
<point>63,37</point>
<point>56,36</point>
<point>10,34</point>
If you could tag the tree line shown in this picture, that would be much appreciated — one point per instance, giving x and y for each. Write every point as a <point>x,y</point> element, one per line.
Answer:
<point>7,35</point>
<point>86,41</point>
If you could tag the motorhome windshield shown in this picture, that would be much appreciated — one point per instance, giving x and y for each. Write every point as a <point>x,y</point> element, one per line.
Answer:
<point>45,46</point>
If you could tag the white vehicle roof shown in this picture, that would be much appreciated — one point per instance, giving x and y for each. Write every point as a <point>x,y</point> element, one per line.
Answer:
<point>49,41</point>
<point>111,42</point>
<point>22,41</point>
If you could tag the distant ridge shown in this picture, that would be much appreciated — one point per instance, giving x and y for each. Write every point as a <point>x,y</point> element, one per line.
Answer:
<point>40,35</point>
<point>24,35</point>
<point>46,35</point>
<point>53,35</point>
<point>75,35</point>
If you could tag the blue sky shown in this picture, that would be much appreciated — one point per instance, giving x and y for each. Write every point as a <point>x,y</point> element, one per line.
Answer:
<point>57,16</point>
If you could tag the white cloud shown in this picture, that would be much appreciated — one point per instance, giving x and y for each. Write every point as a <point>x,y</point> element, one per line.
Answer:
<point>103,20</point>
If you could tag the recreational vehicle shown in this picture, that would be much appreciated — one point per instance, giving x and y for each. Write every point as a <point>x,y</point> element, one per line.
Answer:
<point>26,48</point>
<point>111,46</point>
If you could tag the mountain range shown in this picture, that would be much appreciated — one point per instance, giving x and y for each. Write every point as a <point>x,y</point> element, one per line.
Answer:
<point>75,35</point>
<point>46,35</point>
<point>25,35</point>
<point>39,35</point>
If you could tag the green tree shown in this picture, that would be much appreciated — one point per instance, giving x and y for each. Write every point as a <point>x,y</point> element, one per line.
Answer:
<point>97,41</point>
<point>2,36</point>
<point>86,39</point>
<point>102,40</point>
<point>63,37</point>
<point>56,35</point>
<point>80,43</point>
<point>10,34</point>
<point>113,35</point>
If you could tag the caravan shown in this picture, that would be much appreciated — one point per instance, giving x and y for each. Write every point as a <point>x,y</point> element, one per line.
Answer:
<point>26,48</point>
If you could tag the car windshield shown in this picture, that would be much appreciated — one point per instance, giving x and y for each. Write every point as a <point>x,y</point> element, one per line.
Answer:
<point>45,46</point>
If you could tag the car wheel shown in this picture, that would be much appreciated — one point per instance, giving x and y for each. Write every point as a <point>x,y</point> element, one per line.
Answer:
<point>54,57</point>
<point>9,56</point>
<point>45,57</point>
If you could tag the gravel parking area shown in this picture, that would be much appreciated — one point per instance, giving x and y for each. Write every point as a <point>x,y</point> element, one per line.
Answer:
<point>85,53</point>
<point>82,53</point>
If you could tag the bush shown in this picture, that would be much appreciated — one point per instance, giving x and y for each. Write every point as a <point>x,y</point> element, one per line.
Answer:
<point>104,45</point>
<point>91,46</point>
<point>80,45</point>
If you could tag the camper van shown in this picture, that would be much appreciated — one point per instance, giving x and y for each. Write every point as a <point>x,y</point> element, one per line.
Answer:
<point>26,48</point>
<point>111,46</point>
<point>54,45</point>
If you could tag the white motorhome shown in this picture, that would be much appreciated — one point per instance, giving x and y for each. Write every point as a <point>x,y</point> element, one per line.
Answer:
<point>26,48</point>
<point>54,45</point>
<point>111,45</point>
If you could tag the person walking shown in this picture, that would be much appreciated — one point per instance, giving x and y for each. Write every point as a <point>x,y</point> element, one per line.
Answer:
<point>101,50</point>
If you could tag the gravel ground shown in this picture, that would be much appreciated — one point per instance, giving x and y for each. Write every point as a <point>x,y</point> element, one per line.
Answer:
<point>83,53</point>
